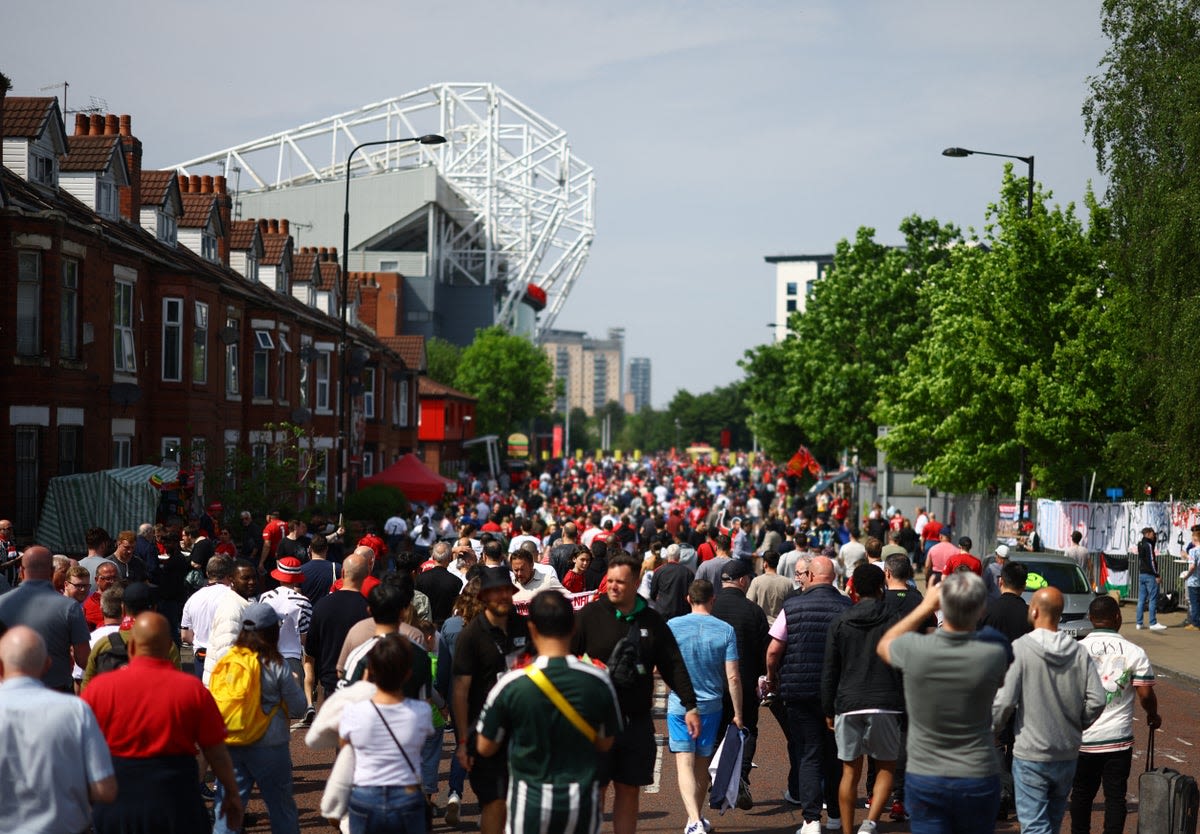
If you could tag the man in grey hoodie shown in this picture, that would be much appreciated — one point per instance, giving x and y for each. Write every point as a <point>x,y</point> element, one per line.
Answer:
<point>1055,691</point>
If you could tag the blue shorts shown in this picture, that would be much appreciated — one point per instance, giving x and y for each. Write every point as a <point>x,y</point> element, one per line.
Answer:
<point>679,741</point>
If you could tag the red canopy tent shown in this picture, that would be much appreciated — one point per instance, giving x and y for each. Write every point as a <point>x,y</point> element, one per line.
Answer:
<point>412,477</point>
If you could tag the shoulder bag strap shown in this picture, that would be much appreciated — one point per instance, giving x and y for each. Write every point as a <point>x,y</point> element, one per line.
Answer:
<point>564,706</point>
<point>416,772</point>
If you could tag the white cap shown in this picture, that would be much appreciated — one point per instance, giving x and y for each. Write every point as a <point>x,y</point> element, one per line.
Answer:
<point>1002,551</point>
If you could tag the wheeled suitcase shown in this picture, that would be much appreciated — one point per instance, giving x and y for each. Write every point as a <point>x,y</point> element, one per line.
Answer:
<point>1167,799</point>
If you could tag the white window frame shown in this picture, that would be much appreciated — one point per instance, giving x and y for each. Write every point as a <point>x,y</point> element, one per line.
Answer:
<point>106,198</point>
<point>368,464</point>
<point>403,403</point>
<point>172,335</point>
<point>208,244</point>
<point>252,266</point>
<point>43,169</point>
<point>367,379</point>
<point>167,226</point>
<point>321,375</point>
<point>68,332</point>
<point>261,373</point>
<point>171,449</point>
<point>122,451</point>
<point>124,347</point>
<point>281,372</point>
<point>29,303</point>
<point>200,343</point>
<point>232,359</point>
<point>264,340</point>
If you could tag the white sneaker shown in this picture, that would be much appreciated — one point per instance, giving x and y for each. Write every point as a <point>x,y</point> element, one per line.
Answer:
<point>810,827</point>
<point>453,803</point>
<point>696,827</point>
<point>1138,626</point>
<point>707,825</point>
<point>867,827</point>
<point>1157,627</point>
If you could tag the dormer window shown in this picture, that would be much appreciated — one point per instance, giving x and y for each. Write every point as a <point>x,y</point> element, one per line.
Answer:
<point>43,170</point>
<point>208,245</point>
<point>252,267</point>
<point>106,198</point>
<point>167,227</point>
<point>281,279</point>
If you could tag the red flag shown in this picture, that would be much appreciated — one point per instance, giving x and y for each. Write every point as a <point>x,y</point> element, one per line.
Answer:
<point>803,459</point>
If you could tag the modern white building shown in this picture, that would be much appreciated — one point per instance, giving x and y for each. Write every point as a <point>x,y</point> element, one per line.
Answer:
<point>796,277</point>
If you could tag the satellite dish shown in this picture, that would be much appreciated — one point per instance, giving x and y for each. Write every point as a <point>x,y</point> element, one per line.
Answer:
<point>124,393</point>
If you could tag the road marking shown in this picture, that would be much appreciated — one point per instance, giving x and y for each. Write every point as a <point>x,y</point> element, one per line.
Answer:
<point>1181,741</point>
<point>1173,758</point>
<point>659,708</point>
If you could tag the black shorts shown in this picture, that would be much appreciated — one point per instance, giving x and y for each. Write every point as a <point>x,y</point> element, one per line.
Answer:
<point>489,778</point>
<point>631,759</point>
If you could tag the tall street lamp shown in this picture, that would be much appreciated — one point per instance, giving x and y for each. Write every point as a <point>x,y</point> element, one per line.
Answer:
<point>343,386</point>
<point>1028,160</point>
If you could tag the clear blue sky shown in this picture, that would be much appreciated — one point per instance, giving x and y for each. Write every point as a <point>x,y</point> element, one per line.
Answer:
<point>720,132</point>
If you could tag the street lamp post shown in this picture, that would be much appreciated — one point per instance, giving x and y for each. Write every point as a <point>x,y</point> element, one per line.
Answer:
<point>343,386</point>
<point>1028,160</point>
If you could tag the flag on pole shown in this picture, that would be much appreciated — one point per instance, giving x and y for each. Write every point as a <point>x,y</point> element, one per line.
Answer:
<point>802,460</point>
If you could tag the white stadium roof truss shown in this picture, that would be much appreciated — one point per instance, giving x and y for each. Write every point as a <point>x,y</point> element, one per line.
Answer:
<point>530,202</point>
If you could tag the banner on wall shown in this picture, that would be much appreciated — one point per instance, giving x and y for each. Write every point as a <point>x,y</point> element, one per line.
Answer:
<point>1116,528</point>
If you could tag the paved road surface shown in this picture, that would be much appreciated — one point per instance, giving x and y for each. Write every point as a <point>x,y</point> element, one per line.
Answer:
<point>1178,747</point>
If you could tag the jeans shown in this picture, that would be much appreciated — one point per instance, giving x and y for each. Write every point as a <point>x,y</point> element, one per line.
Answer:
<point>1194,605</point>
<point>431,754</point>
<point>1147,592</point>
<point>1093,770</point>
<point>270,767</point>
<point>1041,790</point>
<point>458,776</point>
<point>384,809</point>
<point>817,770</point>
<point>951,805</point>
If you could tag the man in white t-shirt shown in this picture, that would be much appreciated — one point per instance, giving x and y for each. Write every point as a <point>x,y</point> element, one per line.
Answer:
<point>199,609</point>
<point>1106,752</point>
<point>295,611</point>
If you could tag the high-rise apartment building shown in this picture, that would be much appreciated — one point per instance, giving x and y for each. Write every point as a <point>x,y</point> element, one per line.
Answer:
<point>589,368</point>
<point>639,382</point>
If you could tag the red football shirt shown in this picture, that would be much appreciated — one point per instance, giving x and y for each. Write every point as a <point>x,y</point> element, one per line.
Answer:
<point>180,715</point>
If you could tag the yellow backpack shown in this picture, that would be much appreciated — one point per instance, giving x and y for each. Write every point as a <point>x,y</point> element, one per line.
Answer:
<point>236,686</point>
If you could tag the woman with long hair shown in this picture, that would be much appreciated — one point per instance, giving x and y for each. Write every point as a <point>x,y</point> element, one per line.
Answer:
<point>387,733</point>
<point>265,761</point>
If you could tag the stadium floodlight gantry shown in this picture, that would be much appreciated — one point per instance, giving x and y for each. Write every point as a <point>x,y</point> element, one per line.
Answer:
<point>524,217</point>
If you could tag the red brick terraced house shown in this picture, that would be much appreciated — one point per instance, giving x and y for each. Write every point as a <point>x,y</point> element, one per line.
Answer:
<point>146,325</point>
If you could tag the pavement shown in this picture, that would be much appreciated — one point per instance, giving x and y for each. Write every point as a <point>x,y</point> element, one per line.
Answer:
<point>1174,653</point>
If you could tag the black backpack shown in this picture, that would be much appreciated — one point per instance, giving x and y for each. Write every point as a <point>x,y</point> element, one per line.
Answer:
<point>116,656</point>
<point>625,662</point>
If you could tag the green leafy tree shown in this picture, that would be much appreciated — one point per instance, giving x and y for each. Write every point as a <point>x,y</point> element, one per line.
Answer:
<point>822,385</point>
<point>511,377</point>
<point>277,475</point>
<point>442,359</point>
<point>1011,359</point>
<point>1144,122</point>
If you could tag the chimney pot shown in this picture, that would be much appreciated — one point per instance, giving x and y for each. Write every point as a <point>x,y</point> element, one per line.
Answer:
<point>273,226</point>
<point>333,254</point>
<point>206,184</point>
<point>97,122</point>
<point>284,226</point>
<point>219,184</point>
<point>194,187</point>
<point>126,125</point>
<point>263,226</point>
<point>110,125</point>
<point>183,184</point>
<point>81,124</point>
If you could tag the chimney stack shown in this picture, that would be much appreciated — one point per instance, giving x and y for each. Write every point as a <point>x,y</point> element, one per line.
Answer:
<point>131,195</point>
<point>81,124</point>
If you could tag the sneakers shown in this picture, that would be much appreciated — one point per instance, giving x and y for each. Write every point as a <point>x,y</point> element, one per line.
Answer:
<point>707,825</point>
<point>810,827</point>
<point>744,800</point>
<point>696,827</point>
<point>1157,627</point>
<point>867,827</point>
<point>1190,627</point>
<point>789,799</point>
<point>1138,626</point>
<point>833,823</point>
<point>898,813</point>
<point>453,801</point>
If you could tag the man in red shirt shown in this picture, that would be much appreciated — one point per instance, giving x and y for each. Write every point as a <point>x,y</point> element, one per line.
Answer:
<point>106,576</point>
<point>272,534</point>
<point>153,740</point>
<point>964,559</point>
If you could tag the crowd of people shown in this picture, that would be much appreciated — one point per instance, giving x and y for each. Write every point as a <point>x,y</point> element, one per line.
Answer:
<point>531,621</point>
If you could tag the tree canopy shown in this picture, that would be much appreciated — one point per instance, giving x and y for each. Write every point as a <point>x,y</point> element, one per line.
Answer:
<point>511,377</point>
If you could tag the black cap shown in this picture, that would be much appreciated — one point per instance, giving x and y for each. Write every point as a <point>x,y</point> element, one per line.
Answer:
<point>735,569</point>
